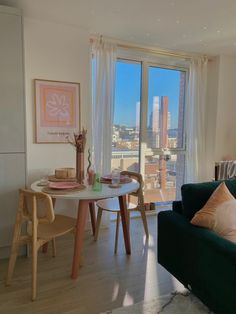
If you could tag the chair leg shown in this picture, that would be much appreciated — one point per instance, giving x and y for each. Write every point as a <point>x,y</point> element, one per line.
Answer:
<point>92,216</point>
<point>144,219</point>
<point>14,250</point>
<point>117,231</point>
<point>99,217</point>
<point>45,248</point>
<point>53,247</point>
<point>34,269</point>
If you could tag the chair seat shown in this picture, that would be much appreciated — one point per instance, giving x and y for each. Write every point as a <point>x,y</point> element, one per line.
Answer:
<point>112,205</point>
<point>61,225</point>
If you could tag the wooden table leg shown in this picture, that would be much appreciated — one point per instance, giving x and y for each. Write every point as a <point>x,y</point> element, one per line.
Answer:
<point>124,219</point>
<point>79,236</point>
<point>92,216</point>
<point>45,246</point>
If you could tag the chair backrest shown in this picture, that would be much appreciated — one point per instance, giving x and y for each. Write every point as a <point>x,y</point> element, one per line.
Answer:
<point>138,177</point>
<point>36,206</point>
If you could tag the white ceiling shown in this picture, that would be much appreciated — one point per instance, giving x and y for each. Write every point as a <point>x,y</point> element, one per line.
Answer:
<point>206,26</point>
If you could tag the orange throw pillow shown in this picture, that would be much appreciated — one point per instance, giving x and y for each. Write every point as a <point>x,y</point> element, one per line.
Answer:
<point>206,217</point>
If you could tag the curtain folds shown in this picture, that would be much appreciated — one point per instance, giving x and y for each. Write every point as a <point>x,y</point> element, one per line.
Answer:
<point>103,66</point>
<point>196,122</point>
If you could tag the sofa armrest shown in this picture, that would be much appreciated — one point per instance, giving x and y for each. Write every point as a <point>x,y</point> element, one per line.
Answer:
<point>177,207</point>
<point>200,259</point>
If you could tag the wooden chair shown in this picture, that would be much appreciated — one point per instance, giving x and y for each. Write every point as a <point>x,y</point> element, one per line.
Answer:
<point>112,205</point>
<point>41,229</point>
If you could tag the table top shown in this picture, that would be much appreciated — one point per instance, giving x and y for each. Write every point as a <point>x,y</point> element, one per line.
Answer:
<point>89,194</point>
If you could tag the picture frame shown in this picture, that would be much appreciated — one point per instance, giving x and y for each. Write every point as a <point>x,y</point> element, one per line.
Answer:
<point>57,110</point>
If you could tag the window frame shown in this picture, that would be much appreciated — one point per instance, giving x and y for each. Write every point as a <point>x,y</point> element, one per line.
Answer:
<point>146,62</point>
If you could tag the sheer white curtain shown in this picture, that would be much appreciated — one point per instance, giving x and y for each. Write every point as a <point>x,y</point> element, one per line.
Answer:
<point>103,84</point>
<point>196,122</point>
<point>104,63</point>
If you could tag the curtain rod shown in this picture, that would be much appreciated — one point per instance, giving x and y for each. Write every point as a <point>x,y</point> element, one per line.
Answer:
<point>145,49</point>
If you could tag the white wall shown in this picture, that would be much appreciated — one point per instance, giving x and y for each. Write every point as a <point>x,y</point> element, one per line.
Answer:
<point>54,52</point>
<point>221,109</point>
<point>226,113</point>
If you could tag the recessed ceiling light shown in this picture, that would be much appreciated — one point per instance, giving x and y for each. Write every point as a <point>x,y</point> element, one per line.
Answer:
<point>205,27</point>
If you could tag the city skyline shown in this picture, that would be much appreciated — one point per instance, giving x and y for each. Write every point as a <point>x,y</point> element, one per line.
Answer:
<point>162,82</point>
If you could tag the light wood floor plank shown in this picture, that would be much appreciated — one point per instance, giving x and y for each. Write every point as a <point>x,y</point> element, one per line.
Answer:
<point>105,281</point>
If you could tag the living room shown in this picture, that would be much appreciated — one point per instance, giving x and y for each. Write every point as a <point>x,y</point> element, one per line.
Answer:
<point>149,42</point>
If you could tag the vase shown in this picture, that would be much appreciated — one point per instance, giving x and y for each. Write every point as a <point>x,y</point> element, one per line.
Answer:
<point>80,166</point>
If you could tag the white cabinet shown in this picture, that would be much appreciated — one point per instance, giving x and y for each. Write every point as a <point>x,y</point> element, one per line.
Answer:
<point>12,120</point>
<point>12,178</point>
<point>12,112</point>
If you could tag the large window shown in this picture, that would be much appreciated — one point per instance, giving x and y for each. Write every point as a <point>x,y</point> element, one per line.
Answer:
<point>148,130</point>
<point>126,127</point>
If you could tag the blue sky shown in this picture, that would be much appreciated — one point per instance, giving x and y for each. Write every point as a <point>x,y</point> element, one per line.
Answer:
<point>162,82</point>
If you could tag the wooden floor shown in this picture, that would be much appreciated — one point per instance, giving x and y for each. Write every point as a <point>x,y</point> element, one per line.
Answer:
<point>105,281</point>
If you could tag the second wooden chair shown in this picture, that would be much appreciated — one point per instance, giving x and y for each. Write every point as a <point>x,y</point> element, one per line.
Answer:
<point>112,205</point>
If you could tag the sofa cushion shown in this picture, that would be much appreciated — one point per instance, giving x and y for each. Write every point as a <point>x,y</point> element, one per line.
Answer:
<point>225,220</point>
<point>206,216</point>
<point>195,195</point>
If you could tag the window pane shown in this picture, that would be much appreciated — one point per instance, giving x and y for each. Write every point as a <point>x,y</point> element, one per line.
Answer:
<point>125,142</point>
<point>163,177</point>
<point>166,92</point>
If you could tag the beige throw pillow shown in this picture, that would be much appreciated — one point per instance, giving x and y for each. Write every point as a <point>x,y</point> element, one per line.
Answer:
<point>205,217</point>
<point>225,220</point>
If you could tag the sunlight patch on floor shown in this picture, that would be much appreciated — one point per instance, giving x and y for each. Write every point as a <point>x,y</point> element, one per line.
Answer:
<point>151,284</point>
<point>115,291</point>
<point>128,299</point>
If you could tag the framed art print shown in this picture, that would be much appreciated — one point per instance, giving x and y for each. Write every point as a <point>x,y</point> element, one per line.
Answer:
<point>57,110</point>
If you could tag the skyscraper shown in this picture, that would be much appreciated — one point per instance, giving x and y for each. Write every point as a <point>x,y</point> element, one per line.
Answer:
<point>159,122</point>
<point>155,114</point>
<point>154,123</point>
<point>164,122</point>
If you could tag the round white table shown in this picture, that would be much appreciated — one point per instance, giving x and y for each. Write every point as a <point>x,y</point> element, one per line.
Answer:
<point>86,199</point>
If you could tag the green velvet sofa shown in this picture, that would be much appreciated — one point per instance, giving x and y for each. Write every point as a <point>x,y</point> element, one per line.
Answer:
<point>201,260</point>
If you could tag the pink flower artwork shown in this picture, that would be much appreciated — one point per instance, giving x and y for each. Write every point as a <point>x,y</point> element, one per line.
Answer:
<point>57,110</point>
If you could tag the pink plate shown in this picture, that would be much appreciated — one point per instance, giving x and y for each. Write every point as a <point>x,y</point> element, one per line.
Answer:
<point>63,185</point>
<point>109,178</point>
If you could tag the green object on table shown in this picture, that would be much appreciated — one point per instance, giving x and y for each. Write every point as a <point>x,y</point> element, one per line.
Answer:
<point>97,186</point>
